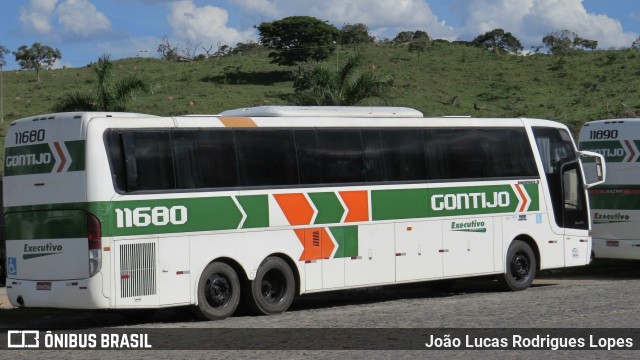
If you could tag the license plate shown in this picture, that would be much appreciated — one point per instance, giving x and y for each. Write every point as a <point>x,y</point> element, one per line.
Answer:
<point>43,285</point>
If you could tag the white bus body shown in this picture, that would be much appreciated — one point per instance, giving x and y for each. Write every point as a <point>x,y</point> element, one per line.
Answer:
<point>615,205</point>
<point>122,211</point>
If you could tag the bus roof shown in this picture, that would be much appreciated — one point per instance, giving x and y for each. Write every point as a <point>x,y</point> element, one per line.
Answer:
<point>325,111</point>
<point>84,115</point>
<point>612,121</point>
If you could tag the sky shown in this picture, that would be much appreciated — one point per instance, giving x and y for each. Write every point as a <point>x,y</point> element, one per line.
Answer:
<point>84,30</point>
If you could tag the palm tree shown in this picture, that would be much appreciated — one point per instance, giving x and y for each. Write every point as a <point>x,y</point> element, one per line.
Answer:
<point>318,85</point>
<point>109,95</point>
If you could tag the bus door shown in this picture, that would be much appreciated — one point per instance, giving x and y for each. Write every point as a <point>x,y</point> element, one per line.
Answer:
<point>568,200</point>
<point>575,215</point>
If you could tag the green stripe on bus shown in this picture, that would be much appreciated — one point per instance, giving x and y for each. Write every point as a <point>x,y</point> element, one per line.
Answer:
<point>203,214</point>
<point>77,153</point>
<point>612,201</point>
<point>473,200</point>
<point>532,191</point>
<point>56,224</point>
<point>329,208</point>
<point>450,201</point>
<point>399,204</point>
<point>347,239</point>
<point>257,209</point>
<point>40,158</point>
<point>612,150</point>
<point>158,216</point>
<point>30,159</point>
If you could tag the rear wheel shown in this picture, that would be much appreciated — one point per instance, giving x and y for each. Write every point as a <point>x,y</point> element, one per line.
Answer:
<point>218,292</point>
<point>520,267</point>
<point>273,289</point>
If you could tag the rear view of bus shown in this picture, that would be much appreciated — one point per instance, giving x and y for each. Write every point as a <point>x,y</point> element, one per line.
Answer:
<point>53,241</point>
<point>615,205</point>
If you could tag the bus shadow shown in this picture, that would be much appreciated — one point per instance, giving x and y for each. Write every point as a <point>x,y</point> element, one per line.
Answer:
<point>422,290</point>
<point>602,269</point>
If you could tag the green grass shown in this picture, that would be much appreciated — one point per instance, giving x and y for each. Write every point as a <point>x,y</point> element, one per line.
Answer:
<point>447,79</point>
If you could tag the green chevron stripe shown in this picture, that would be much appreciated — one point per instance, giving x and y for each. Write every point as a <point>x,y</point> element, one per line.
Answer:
<point>329,208</point>
<point>347,239</point>
<point>257,209</point>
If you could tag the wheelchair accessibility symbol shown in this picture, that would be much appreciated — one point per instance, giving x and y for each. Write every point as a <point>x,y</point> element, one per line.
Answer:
<point>12,267</point>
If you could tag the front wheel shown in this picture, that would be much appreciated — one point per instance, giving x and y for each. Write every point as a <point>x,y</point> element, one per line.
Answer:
<point>273,289</point>
<point>218,292</point>
<point>520,267</point>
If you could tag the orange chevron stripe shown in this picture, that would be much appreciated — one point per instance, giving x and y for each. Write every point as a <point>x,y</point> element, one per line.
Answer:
<point>237,122</point>
<point>523,197</point>
<point>357,203</point>
<point>317,244</point>
<point>296,208</point>
<point>63,160</point>
<point>632,154</point>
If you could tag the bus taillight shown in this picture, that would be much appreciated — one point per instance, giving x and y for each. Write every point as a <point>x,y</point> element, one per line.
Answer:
<point>94,238</point>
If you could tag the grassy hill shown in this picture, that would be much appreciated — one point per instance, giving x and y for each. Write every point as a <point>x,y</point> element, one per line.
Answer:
<point>447,79</point>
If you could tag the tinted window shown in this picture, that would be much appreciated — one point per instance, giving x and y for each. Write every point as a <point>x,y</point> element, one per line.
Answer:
<point>148,160</point>
<point>113,140</point>
<point>328,156</point>
<point>394,155</point>
<point>478,153</point>
<point>163,159</point>
<point>266,157</point>
<point>453,154</point>
<point>205,158</point>
<point>508,153</point>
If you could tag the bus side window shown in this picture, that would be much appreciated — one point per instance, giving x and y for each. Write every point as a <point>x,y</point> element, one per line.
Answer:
<point>205,158</point>
<point>327,156</point>
<point>148,160</point>
<point>266,157</point>
<point>113,140</point>
<point>453,154</point>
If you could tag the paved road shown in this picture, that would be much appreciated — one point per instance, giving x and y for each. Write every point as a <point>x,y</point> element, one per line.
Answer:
<point>603,295</point>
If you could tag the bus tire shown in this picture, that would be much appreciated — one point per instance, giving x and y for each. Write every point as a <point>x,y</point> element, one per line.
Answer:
<point>520,267</point>
<point>273,289</point>
<point>218,292</point>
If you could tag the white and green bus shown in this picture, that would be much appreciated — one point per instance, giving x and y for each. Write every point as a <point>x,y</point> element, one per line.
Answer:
<point>615,205</point>
<point>123,211</point>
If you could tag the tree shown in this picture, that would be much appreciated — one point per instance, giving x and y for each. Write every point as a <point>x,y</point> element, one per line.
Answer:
<point>109,95</point>
<point>317,84</point>
<point>36,57</point>
<point>585,43</point>
<point>419,34</point>
<point>355,34</point>
<point>3,52</point>
<point>403,37</point>
<point>297,39</point>
<point>565,41</point>
<point>636,44</point>
<point>418,45</point>
<point>406,36</point>
<point>246,48</point>
<point>168,51</point>
<point>559,42</point>
<point>498,41</point>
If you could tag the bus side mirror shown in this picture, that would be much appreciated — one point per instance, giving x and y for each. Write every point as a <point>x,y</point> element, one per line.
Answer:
<point>600,167</point>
